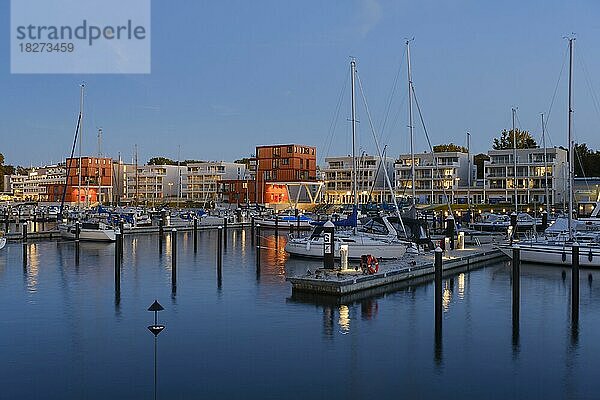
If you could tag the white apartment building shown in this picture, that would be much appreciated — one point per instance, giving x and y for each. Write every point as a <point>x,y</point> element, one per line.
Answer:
<point>34,185</point>
<point>531,179</point>
<point>371,182</point>
<point>151,184</point>
<point>203,179</point>
<point>437,180</point>
<point>14,184</point>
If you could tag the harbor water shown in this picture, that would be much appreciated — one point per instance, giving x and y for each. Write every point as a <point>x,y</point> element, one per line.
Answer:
<point>66,334</point>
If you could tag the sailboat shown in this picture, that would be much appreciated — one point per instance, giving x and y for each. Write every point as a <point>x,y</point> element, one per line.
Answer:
<point>382,246</point>
<point>556,246</point>
<point>88,230</point>
<point>2,240</point>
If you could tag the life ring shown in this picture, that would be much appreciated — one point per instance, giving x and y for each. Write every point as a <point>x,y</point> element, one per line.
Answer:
<point>372,265</point>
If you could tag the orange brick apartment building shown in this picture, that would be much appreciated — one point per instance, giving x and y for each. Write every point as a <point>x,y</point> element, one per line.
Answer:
<point>96,181</point>
<point>278,164</point>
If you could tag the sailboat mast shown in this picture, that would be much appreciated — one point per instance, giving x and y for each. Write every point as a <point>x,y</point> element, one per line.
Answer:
<point>514,111</point>
<point>80,140</point>
<point>546,195</point>
<point>410,123</point>
<point>571,159</point>
<point>99,167</point>
<point>353,118</point>
<point>470,171</point>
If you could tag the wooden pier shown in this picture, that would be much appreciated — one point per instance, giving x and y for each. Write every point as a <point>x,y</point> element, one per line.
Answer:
<point>410,267</point>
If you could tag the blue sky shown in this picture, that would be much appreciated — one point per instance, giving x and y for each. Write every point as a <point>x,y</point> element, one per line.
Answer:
<point>230,75</point>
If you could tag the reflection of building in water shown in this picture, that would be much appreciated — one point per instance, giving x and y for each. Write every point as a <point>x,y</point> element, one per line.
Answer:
<point>369,309</point>
<point>328,316</point>
<point>344,319</point>
<point>461,286</point>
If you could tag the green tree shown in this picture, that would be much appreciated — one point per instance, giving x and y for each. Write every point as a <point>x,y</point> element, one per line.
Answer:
<point>505,141</point>
<point>587,161</point>
<point>450,147</point>
<point>478,161</point>
<point>161,161</point>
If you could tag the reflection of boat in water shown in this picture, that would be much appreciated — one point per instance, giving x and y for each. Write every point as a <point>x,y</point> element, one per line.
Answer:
<point>89,231</point>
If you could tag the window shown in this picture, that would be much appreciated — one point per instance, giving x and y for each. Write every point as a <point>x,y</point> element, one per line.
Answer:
<point>285,161</point>
<point>290,149</point>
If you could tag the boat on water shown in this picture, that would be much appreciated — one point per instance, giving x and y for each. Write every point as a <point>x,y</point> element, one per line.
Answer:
<point>556,246</point>
<point>382,246</point>
<point>285,221</point>
<point>2,240</point>
<point>89,231</point>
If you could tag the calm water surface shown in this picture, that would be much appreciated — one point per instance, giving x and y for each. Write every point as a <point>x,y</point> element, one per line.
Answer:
<point>65,334</point>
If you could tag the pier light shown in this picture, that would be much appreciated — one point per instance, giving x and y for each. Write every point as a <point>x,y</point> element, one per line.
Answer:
<point>492,210</point>
<point>527,209</point>
<point>504,210</point>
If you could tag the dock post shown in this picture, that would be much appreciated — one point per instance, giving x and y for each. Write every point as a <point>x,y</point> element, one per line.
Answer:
<point>224,233</point>
<point>252,231</point>
<point>220,232</point>
<point>117,264</point>
<point>297,221</point>
<point>513,224</point>
<point>122,226</point>
<point>276,227</point>
<point>544,220</point>
<point>160,236</point>
<point>258,249</point>
<point>328,245</point>
<point>24,231</point>
<point>575,283</point>
<point>195,235</point>
<point>34,226</point>
<point>121,239</point>
<point>77,233</point>
<point>516,293</point>
<point>173,260</point>
<point>438,302</point>
<point>450,230</point>
<point>291,228</point>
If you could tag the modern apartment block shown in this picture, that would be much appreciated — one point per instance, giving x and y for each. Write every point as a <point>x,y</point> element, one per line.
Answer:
<point>202,179</point>
<point>531,180</point>
<point>38,184</point>
<point>15,184</point>
<point>150,184</point>
<point>437,180</point>
<point>371,182</point>
<point>277,165</point>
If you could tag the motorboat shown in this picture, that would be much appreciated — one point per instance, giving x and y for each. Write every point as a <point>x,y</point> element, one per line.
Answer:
<point>2,240</point>
<point>89,231</point>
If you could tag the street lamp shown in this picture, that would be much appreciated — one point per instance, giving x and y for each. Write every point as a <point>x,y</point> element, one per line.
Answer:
<point>155,329</point>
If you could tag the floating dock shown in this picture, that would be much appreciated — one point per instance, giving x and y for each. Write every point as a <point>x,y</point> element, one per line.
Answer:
<point>340,283</point>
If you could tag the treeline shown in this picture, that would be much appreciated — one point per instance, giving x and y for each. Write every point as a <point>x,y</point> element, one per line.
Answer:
<point>587,161</point>
<point>9,170</point>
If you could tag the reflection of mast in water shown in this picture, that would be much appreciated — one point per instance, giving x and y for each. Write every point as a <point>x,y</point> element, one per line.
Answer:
<point>328,321</point>
<point>461,286</point>
<point>369,309</point>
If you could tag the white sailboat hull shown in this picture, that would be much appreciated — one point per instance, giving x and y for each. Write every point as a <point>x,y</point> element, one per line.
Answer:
<point>95,235</point>
<point>556,254</point>
<point>2,242</point>
<point>378,248</point>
